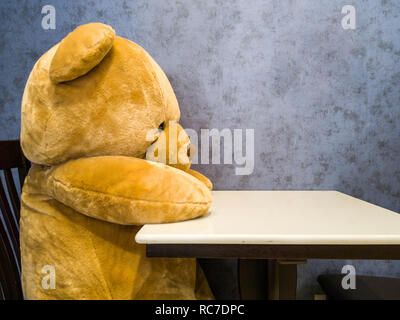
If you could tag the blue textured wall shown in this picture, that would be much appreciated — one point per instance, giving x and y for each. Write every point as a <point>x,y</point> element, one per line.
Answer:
<point>324,102</point>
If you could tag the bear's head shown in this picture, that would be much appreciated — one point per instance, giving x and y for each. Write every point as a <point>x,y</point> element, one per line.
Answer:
<point>97,94</point>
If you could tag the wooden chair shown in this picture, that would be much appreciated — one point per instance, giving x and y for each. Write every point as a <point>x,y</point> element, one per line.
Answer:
<point>11,156</point>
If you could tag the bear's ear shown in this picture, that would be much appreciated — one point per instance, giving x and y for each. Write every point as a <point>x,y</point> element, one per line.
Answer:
<point>80,51</point>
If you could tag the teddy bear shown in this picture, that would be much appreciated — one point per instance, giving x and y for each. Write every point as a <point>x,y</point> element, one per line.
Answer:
<point>97,121</point>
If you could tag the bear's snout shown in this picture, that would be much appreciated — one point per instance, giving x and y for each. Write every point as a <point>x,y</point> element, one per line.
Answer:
<point>172,146</point>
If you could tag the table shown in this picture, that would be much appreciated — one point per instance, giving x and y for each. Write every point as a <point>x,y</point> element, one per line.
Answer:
<point>278,230</point>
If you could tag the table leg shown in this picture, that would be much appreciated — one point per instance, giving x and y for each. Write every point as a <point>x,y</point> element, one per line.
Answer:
<point>253,279</point>
<point>261,279</point>
<point>282,279</point>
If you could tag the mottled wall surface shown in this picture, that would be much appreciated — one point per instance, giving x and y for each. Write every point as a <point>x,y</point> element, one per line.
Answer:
<point>324,102</point>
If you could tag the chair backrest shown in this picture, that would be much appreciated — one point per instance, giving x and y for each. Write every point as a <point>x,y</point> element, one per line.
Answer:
<point>11,157</point>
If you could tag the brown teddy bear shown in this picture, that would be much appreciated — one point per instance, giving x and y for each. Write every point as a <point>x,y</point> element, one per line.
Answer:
<point>93,106</point>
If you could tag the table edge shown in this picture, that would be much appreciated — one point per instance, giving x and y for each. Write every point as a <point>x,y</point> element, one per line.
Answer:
<point>268,251</point>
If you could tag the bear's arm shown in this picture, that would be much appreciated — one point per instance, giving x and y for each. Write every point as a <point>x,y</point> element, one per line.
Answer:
<point>201,177</point>
<point>128,190</point>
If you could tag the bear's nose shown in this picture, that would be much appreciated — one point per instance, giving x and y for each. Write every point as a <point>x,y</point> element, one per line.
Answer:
<point>172,146</point>
<point>191,151</point>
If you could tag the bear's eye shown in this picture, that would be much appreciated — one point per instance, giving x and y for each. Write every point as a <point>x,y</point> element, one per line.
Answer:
<point>161,126</point>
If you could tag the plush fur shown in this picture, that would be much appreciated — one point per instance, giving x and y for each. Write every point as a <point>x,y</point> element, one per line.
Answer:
<point>87,110</point>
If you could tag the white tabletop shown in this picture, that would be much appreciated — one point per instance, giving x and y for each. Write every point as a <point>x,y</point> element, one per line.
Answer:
<point>281,217</point>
